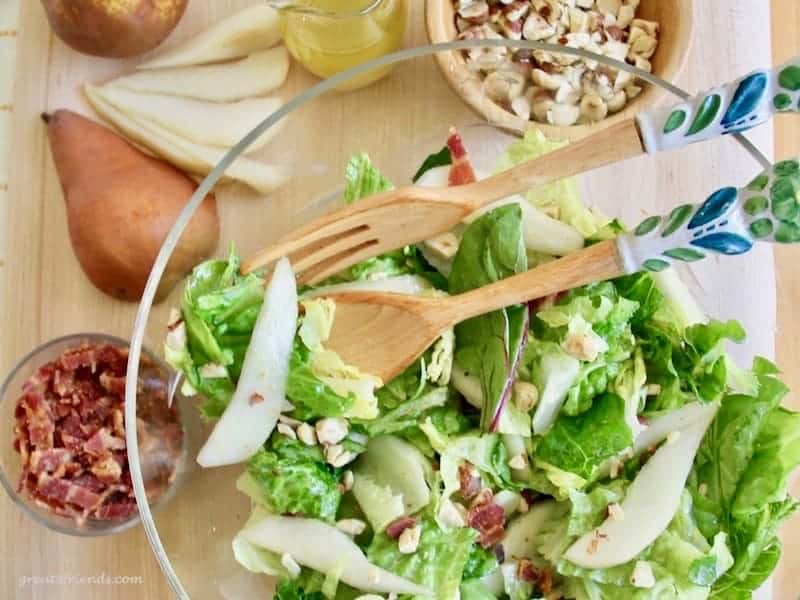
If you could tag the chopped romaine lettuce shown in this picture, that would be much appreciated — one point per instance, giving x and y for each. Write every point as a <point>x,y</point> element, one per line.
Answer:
<point>474,589</point>
<point>406,415</point>
<point>581,444</point>
<point>554,373</point>
<point>486,452</point>
<point>297,589</point>
<point>438,563</point>
<point>560,198</point>
<point>362,179</point>
<point>219,310</point>
<point>686,365</point>
<point>480,563</point>
<point>346,381</point>
<point>295,479</point>
<point>310,395</point>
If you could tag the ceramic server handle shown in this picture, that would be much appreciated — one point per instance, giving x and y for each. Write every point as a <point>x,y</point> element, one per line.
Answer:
<point>736,106</point>
<point>728,222</point>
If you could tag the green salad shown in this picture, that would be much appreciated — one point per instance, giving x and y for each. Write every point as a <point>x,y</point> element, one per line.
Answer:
<point>597,444</point>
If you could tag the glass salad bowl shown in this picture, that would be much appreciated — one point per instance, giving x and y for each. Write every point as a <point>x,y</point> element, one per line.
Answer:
<point>192,535</point>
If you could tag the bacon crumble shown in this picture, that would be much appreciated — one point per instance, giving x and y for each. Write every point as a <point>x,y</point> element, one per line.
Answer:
<point>70,435</point>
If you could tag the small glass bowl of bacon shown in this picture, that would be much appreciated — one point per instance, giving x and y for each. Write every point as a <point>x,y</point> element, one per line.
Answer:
<point>63,454</point>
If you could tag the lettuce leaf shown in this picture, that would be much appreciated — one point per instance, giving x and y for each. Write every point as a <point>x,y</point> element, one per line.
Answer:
<point>311,585</point>
<point>219,309</point>
<point>740,478</point>
<point>406,415</point>
<point>581,444</point>
<point>686,365</point>
<point>362,179</point>
<point>474,589</point>
<point>480,563</point>
<point>489,346</point>
<point>642,289</point>
<point>438,563</point>
<point>293,589</point>
<point>294,478</point>
<point>486,452</point>
<point>311,396</point>
<point>559,198</point>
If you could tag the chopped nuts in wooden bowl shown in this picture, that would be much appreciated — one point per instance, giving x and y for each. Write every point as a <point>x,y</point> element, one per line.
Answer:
<point>565,96</point>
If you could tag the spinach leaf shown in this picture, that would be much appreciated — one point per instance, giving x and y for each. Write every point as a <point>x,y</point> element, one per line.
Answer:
<point>489,346</point>
<point>438,159</point>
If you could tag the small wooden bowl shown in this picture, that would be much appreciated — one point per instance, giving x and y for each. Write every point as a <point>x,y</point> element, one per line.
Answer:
<point>674,17</point>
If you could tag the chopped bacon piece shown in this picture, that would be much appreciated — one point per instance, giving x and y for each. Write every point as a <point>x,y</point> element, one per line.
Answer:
<point>107,469</point>
<point>541,578</point>
<point>488,519</point>
<point>90,482</point>
<point>69,431</point>
<point>49,461</point>
<point>101,442</point>
<point>113,383</point>
<point>117,511</point>
<point>39,420</point>
<point>461,171</point>
<point>395,529</point>
<point>83,357</point>
<point>118,422</point>
<point>469,480</point>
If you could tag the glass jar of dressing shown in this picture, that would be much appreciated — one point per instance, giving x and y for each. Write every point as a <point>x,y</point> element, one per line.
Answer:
<point>329,36</point>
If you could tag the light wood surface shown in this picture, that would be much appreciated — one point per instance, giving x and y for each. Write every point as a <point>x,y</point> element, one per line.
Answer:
<point>786,44</point>
<point>44,294</point>
<point>369,228</point>
<point>401,327</point>
<point>677,25</point>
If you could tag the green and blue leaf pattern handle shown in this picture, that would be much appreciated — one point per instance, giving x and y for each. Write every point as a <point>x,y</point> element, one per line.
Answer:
<point>737,106</point>
<point>729,222</point>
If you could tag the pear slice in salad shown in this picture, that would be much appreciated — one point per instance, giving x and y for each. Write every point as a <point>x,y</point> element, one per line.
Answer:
<point>650,503</point>
<point>260,394</point>
<point>523,534</point>
<point>324,548</point>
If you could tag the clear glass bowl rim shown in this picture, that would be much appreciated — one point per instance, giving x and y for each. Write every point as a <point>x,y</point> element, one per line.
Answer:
<point>171,241</point>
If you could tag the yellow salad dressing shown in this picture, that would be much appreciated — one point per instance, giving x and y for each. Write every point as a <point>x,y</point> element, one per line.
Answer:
<point>326,45</point>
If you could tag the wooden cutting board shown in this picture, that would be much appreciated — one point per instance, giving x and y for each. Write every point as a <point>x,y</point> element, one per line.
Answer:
<point>44,294</point>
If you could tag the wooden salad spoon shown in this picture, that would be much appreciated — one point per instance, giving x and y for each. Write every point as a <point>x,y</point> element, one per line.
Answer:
<point>411,214</point>
<point>383,333</point>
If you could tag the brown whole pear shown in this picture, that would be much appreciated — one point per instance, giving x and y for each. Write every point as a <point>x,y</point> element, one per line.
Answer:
<point>121,204</point>
<point>113,28</point>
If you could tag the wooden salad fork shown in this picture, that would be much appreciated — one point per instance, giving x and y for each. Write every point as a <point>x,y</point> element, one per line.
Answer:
<point>383,333</point>
<point>411,214</point>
